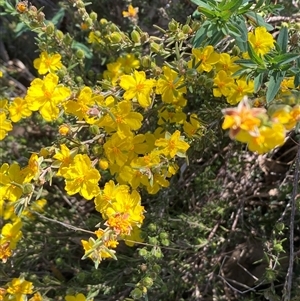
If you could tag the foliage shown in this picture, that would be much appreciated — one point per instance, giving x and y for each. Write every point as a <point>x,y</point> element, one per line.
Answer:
<point>127,121</point>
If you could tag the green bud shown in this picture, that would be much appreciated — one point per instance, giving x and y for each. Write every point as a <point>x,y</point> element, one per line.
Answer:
<point>116,37</point>
<point>82,149</point>
<point>28,188</point>
<point>93,16</point>
<point>186,29</point>
<point>156,48</point>
<point>50,29</point>
<point>163,235</point>
<point>173,25</point>
<point>80,54</point>
<point>191,74</point>
<point>146,61</point>
<point>136,294</point>
<point>278,248</point>
<point>135,36</point>
<point>97,150</point>
<point>152,227</point>
<point>180,36</point>
<point>209,83</point>
<point>156,268</point>
<point>235,50</point>
<point>89,22</point>
<point>78,79</point>
<point>153,240</point>
<point>195,25</point>
<point>59,34</point>
<point>165,242</point>
<point>68,40</point>
<point>113,27</point>
<point>143,252</point>
<point>280,226</point>
<point>147,281</point>
<point>297,26</point>
<point>144,37</point>
<point>202,79</point>
<point>94,129</point>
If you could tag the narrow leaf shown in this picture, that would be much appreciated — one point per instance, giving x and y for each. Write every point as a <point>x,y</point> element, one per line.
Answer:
<point>274,85</point>
<point>282,39</point>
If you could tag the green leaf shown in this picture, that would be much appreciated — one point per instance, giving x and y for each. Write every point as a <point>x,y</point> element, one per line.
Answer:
<point>207,12</point>
<point>253,56</point>
<point>231,5</point>
<point>274,85</point>
<point>201,3</point>
<point>247,63</point>
<point>87,52</point>
<point>200,35</point>
<point>297,80</point>
<point>258,80</point>
<point>20,28</point>
<point>285,58</point>
<point>258,20</point>
<point>282,39</point>
<point>58,17</point>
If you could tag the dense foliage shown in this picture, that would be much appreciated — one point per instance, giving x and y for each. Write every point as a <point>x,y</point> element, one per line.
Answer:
<point>148,157</point>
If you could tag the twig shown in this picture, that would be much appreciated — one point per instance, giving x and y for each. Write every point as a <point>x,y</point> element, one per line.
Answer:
<point>289,275</point>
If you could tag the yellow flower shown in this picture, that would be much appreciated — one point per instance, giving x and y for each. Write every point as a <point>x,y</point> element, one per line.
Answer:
<point>64,129</point>
<point>128,62</point>
<point>137,87</point>
<point>45,96</point>
<point>1,73</point>
<point>122,119</point>
<point>170,114</point>
<point>5,125</point>
<point>268,138</point>
<point>47,63</point>
<point>18,109</point>
<point>116,149</point>
<point>243,118</point>
<point>261,41</point>
<point>81,177</point>
<point>221,83</point>
<point>32,169</point>
<point>131,12</point>
<point>113,72</point>
<point>81,105</point>
<point>238,90</point>
<point>36,297</point>
<point>11,233</point>
<point>64,157</point>
<point>191,128</point>
<point>11,180</point>
<point>19,287</point>
<point>167,86</point>
<point>77,297</point>
<point>172,145</point>
<point>226,63</point>
<point>108,195</point>
<point>94,38</point>
<point>206,57</point>
<point>5,253</point>
<point>125,212</point>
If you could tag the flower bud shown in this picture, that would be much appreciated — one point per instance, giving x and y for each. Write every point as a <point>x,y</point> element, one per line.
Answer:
<point>93,16</point>
<point>40,17</point>
<point>103,164</point>
<point>68,40</point>
<point>146,61</point>
<point>50,29</point>
<point>191,74</point>
<point>147,282</point>
<point>186,29</point>
<point>80,54</point>
<point>136,294</point>
<point>64,130</point>
<point>21,7</point>
<point>135,36</point>
<point>28,188</point>
<point>195,25</point>
<point>116,37</point>
<point>173,25</point>
<point>156,48</point>
<point>94,129</point>
<point>59,34</point>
